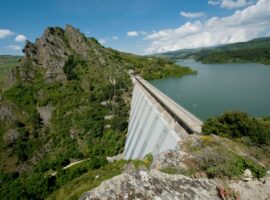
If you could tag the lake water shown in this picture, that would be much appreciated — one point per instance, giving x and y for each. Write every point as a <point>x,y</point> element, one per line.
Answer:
<point>220,87</point>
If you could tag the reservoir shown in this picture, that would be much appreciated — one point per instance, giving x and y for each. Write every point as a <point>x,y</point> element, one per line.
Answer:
<point>220,87</point>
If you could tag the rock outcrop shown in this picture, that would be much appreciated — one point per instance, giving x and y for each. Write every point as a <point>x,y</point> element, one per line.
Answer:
<point>252,190</point>
<point>170,158</point>
<point>6,112</point>
<point>153,185</point>
<point>45,113</point>
<point>50,52</point>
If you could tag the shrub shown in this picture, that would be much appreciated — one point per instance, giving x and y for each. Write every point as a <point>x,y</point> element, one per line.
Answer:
<point>236,124</point>
<point>219,162</point>
<point>69,68</point>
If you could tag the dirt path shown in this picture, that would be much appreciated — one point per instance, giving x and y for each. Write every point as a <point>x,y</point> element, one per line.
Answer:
<point>71,164</point>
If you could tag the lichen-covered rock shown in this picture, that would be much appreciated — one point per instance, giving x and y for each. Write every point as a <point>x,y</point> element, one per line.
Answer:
<point>252,190</point>
<point>77,42</point>
<point>6,113</point>
<point>170,158</point>
<point>153,185</point>
<point>45,113</point>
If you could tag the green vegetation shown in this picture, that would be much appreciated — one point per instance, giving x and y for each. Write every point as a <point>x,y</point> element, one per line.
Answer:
<point>235,125</point>
<point>243,144</point>
<point>68,183</point>
<point>217,157</point>
<point>256,51</point>
<point>77,127</point>
<point>146,162</point>
<point>256,55</point>
<point>70,67</point>
<point>6,63</point>
<point>251,134</point>
<point>40,186</point>
<point>222,162</point>
<point>90,179</point>
<point>87,181</point>
<point>155,68</point>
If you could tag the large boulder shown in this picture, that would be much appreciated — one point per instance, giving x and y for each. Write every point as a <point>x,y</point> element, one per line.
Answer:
<point>153,185</point>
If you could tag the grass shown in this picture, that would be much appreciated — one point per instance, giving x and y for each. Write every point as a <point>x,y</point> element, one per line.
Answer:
<point>217,157</point>
<point>75,188</point>
<point>94,177</point>
<point>6,64</point>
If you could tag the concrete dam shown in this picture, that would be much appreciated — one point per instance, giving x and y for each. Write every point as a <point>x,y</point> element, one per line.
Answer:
<point>156,122</point>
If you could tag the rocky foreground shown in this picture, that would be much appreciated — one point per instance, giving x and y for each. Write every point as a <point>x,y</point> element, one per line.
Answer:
<point>153,184</point>
<point>175,175</point>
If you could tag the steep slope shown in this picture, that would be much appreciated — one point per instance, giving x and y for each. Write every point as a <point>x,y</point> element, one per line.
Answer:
<point>6,63</point>
<point>68,99</point>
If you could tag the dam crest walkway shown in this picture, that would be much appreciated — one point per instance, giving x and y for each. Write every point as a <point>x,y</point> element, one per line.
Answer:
<point>156,122</point>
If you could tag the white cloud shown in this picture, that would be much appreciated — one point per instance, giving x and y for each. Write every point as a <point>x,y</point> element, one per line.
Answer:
<point>192,14</point>
<point>136,33</point>
<point>115,38</point>
<point>102,41</point>
<point>132,33</point>
<point>5,33</point>
<point>231,4</point>
<point>20,38</point>
<point>14,47</point>
<point>243,25</point>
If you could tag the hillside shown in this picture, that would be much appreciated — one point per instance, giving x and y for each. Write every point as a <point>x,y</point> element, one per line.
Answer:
<point>231,163</point>
<point>257,50</point>
<point>6,63</point>
<point>67,100</point>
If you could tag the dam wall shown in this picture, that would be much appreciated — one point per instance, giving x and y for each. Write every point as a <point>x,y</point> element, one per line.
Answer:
<point>156,122</point>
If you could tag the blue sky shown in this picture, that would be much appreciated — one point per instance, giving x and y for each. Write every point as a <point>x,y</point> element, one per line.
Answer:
<point>141,26</point>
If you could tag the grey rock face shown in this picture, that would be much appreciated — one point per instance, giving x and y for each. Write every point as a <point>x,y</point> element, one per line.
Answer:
<point>51,51</point>
<point>153,185</point>
<point>77,42</point>
<point>45,113</point>
<point>252,190</point>
<point>6,112</point>
<point>170,158</point>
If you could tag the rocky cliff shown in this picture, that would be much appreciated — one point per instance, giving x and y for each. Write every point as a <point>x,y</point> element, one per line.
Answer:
<point>51,51</point>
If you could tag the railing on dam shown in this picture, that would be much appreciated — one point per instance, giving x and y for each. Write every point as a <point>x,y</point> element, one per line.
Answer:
<point>156,122</point>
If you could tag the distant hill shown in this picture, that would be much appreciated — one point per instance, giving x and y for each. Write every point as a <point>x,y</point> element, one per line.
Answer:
<point>256,50</point>
<point>6,63</point>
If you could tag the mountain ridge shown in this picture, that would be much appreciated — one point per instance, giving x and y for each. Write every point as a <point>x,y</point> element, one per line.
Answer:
<point>255,50</point>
